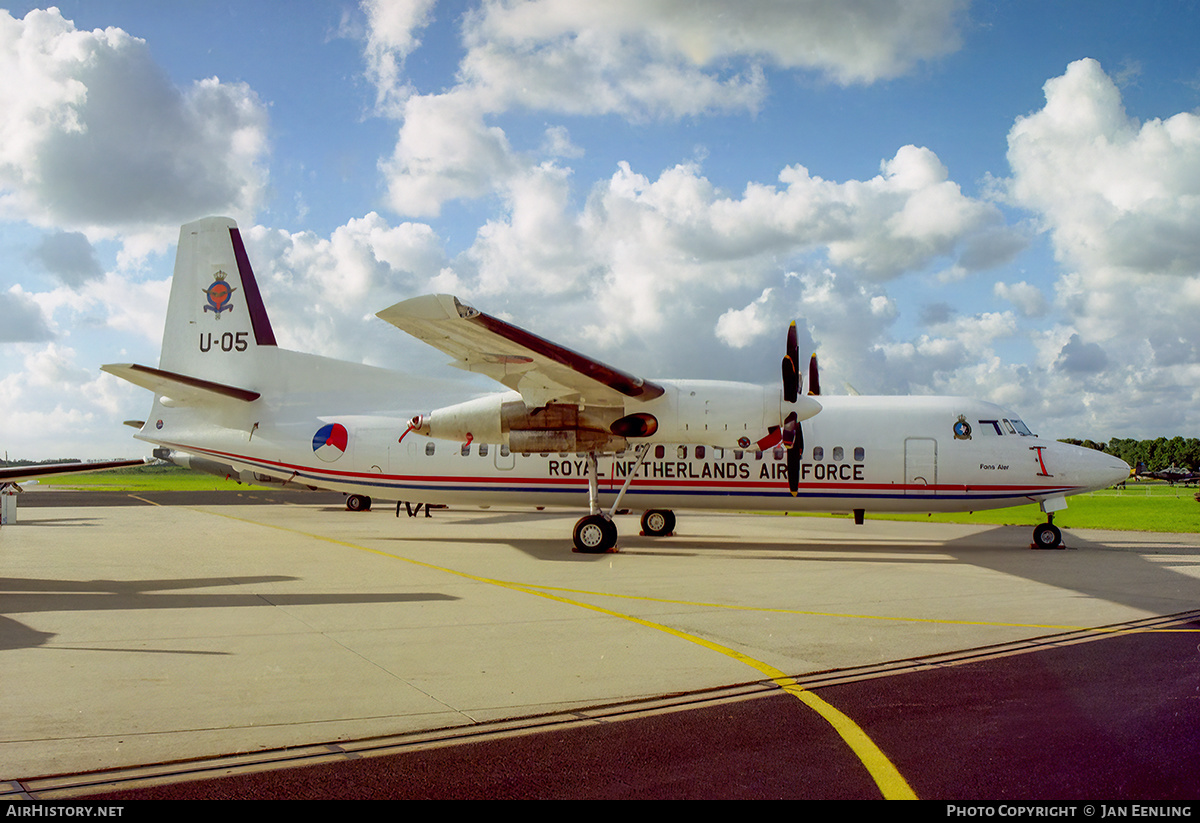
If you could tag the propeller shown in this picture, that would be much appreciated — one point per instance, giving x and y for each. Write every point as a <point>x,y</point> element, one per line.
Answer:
<point>792,436</point>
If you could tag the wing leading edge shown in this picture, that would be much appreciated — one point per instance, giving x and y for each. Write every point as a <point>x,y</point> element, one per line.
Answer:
<point>542,371</point>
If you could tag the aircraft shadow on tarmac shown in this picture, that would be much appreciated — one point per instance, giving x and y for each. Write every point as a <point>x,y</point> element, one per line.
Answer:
<point>33,595</point>
<point>1118,570</point>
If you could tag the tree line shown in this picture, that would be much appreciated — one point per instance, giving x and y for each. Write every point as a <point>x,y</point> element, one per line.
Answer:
<point>1157,454</point>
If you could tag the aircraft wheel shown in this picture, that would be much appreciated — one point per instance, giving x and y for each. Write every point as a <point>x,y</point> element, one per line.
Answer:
<point>594,534</point>
<point>658,522</point>
<point>358,503</point>
<point>1047,536</point>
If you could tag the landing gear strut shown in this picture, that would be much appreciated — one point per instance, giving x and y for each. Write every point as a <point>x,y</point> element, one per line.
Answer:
<point>1047,535</point>
<point>596,533</point>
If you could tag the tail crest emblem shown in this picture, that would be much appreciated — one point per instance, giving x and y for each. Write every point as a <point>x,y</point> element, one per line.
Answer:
<point>218,295</point>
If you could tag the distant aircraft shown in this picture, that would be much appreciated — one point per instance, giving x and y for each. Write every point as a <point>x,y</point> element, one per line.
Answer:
<point>1172,475</point>
<point>570,428</point>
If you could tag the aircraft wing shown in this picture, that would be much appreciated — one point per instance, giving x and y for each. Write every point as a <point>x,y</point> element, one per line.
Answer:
<point>20,474</point>
<point>542,371</point>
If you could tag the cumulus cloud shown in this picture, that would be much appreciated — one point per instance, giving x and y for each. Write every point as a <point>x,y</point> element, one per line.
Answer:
<point>1078,356</point>
<point>857,42</point>
<point>392,28</point>
<point>739,327</point>
<point>1115,192</point>
<point>323,292</point>
<point>93,135</point>
<point>69,256</point>
<point>1120,199</point>
<point>635,59</point>
<point>642,251</point>
<point>1028,299</point>
<point>23,318</point>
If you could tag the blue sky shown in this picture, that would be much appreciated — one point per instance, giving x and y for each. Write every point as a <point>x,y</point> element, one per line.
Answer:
<point>996,199</point>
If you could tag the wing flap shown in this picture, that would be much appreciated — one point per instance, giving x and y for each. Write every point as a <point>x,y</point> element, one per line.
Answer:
<point>542,371</point>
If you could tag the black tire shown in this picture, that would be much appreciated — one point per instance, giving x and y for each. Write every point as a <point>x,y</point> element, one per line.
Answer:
<point>658,522</point>
<point>1047,536</point>
<point>594,534</point>
<point>358,503</point>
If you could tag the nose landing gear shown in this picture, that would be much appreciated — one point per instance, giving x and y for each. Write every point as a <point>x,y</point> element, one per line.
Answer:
<point>1047,535</point>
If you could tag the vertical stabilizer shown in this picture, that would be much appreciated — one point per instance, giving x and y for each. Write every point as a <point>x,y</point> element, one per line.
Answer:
<point>216,320</point>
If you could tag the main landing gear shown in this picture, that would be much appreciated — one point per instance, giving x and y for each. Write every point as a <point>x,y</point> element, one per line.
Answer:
<point>658,523</point>
<point>596,533</point>
<point>1047,535</point>
<point>358,503</point>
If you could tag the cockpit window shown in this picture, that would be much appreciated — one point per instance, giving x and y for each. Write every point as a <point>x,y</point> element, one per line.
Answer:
<point>990,427</point>
<point>1022,429</point>
<point>1009,426</point>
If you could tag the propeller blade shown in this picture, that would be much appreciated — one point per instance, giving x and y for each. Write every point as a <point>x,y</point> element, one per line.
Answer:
<point>814,384</point>
<point>791,366</point>
<point>793,439</point>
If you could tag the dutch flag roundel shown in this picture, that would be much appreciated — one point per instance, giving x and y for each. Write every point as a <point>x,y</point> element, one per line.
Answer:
<point>329,443</point>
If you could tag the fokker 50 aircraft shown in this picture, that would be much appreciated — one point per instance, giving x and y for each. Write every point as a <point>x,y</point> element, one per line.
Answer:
<point>570,430</point>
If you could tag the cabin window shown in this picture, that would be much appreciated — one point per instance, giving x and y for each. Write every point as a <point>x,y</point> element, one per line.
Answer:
<point>429,447</point>
<point>483,449</point>
<point>758,454</point>
<point>681,452</point>
<point>699,452</point>
<point>718,452</point>
<point>466,449</point>
<point>839,454</point>
<point>860,454</point>
<point>818,453</point>
<point>777,452</point>
<point>738,454</point>
<point>660,452</point>
<point>504,451</point>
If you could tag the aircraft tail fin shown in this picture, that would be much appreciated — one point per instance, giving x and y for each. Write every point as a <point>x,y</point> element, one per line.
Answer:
<point>216,320</point>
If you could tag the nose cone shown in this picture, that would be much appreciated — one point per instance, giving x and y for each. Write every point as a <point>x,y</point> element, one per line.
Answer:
<point>1093,469</point>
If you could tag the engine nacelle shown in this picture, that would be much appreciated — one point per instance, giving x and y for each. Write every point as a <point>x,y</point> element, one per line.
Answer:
<point>557,427</point>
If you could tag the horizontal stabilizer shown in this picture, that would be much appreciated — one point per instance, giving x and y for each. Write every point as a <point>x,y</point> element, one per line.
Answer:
<point>178,387</point>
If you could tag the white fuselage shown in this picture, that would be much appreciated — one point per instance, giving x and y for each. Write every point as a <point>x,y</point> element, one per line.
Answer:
<point>869,453</point>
